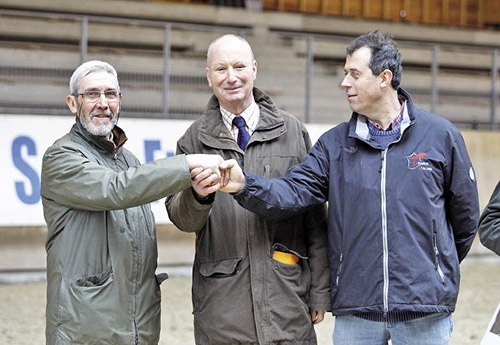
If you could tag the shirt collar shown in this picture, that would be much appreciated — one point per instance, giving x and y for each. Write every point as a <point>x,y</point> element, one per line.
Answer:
<point>250,114</point>
<point>394,122</point>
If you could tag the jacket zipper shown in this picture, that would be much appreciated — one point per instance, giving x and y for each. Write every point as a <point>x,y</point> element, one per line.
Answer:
<point>136,340</point>
<point>383,209</point>
<point>134,263</point>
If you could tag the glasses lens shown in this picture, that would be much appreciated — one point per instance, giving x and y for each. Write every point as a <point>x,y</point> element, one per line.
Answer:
<point>91,96</point>
<point>94,96</point>
<point>111,95</point>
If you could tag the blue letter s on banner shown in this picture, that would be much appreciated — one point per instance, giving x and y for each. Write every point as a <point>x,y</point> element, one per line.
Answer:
<point>17,146</point>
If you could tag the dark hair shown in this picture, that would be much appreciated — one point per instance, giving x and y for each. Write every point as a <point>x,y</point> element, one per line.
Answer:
<point>385,54</point>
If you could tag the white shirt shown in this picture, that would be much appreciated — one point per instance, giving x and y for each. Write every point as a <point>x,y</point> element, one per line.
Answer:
<point>250,114</point>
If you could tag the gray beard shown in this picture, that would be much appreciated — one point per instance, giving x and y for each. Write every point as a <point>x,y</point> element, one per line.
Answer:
<point>101,131</point>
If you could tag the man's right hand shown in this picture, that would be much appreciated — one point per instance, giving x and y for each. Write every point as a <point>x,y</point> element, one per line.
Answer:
<point>233,180</point>
<point>204,161</point>
<point>205,182</point>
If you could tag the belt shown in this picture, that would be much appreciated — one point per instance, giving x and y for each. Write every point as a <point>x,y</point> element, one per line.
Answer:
<point>286,258</point>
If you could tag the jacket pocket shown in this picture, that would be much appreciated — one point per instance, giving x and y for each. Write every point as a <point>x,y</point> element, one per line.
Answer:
<point>100,279</point>
<point>87,301</point>
<point>339,270</point>
<point>283,254</point>
<point>436,258</point>
<point>220,268</point>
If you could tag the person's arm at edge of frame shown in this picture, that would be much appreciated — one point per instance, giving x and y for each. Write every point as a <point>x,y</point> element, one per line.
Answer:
<point>489,223</point>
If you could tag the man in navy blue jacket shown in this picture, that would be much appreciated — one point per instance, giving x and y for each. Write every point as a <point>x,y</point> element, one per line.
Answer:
<point>403,205</point>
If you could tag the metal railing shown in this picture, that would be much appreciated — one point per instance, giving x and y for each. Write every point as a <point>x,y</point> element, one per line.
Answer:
<point>166,87</point>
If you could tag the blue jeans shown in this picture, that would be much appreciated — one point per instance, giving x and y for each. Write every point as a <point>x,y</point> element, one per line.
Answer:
<point>434,329</point>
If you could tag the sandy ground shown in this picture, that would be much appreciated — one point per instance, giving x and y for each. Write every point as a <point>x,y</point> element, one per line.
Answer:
<point>22,319</point>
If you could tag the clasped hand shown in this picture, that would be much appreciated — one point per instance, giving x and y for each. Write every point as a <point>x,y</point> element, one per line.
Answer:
<point>211,173</point>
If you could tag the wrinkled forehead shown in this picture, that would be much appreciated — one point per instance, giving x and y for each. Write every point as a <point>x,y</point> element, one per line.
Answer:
<point>230,48</point>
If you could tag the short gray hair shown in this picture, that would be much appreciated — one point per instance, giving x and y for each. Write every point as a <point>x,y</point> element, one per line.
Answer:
<point>89,67</point>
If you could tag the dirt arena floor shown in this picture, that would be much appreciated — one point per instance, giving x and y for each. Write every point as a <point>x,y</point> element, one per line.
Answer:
<point>22,308</point>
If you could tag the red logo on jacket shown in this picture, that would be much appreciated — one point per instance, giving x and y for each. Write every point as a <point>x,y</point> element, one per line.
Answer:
<point>418,161</point>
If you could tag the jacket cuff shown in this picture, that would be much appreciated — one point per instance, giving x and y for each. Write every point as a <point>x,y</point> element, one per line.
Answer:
<point>204,201</point>
<point>323,304</point>
<point>242,194</point>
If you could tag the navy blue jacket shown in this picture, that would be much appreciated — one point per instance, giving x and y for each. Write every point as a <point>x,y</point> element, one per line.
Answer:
<point>399,220</point>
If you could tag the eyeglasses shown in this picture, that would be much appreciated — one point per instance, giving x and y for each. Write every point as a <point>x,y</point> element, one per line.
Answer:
<point>93,96</point>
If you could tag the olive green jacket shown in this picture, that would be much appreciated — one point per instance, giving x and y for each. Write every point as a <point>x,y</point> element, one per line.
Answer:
<point>241,295</point>
<point>101,243</point>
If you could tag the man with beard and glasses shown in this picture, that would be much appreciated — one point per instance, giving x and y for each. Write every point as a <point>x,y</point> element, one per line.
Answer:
<point>101,243</point>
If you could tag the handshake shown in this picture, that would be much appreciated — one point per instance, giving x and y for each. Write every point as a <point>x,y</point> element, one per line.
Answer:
<point>211,173</point>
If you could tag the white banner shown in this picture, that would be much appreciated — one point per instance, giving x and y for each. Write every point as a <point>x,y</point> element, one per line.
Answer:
<point>24,139</point>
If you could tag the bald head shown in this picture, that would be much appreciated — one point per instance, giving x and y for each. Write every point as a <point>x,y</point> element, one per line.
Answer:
<point>229,40</point>
<point>231,71</point>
